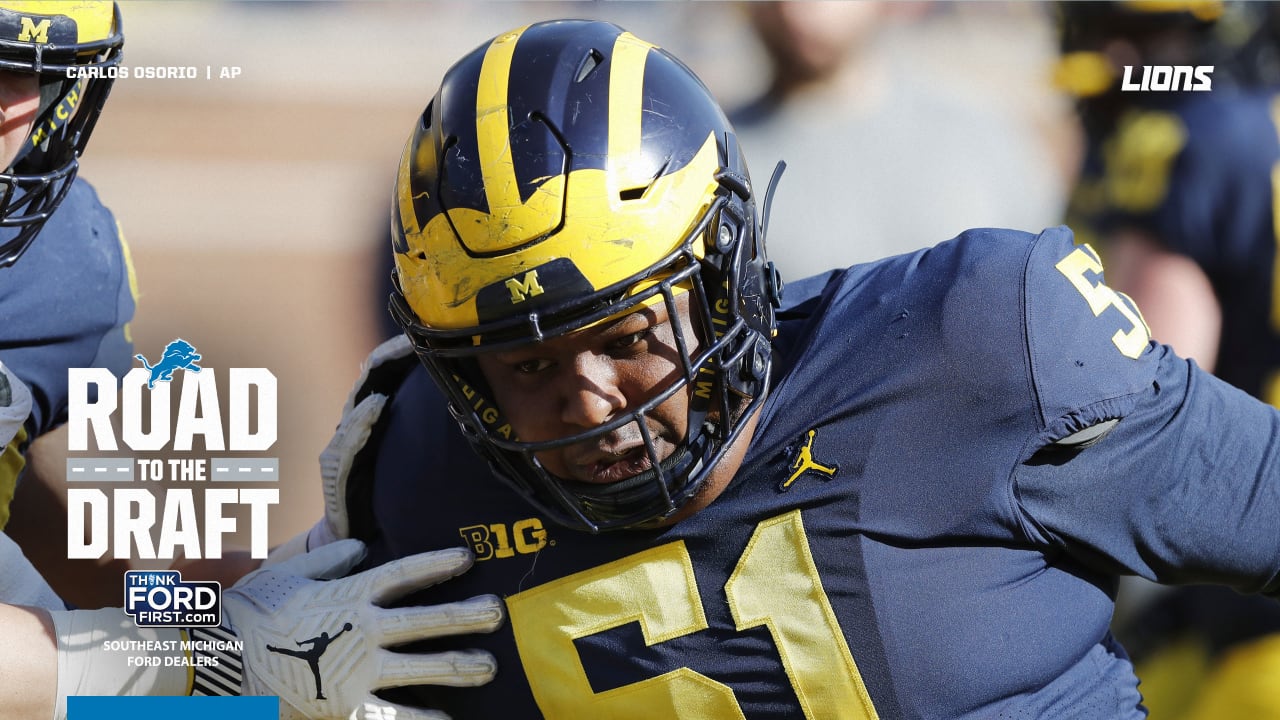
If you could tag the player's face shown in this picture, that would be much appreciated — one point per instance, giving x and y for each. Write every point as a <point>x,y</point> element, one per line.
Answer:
<point>570,384</point>
<point>19,101</point>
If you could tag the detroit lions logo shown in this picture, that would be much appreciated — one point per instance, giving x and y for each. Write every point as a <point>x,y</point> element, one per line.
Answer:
<point>177,355</point>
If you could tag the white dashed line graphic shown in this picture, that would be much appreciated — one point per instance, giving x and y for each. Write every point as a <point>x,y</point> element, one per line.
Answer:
<point>244,469</point>
<point>100,470</point>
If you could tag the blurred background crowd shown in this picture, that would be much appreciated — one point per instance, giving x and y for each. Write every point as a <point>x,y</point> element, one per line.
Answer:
<point>256,205</point>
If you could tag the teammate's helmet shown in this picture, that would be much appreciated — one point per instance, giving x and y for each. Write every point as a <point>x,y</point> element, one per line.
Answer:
<point>565,173</point>
<point>73,48</point>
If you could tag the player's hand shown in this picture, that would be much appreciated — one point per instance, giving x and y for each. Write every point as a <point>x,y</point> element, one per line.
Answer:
<point>343,625</point>
<point>359,415</point>
<point>335,469</point>
<point>15,405</point>
<point>358,419</point>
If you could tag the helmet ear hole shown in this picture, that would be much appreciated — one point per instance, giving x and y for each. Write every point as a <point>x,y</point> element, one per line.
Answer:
<point>589,63</point>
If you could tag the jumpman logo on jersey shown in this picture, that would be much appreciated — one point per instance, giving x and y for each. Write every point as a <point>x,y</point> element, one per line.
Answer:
<point>312,656</point>
<point>804,463</point>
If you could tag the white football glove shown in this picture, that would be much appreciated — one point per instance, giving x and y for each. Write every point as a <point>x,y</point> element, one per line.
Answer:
<point>15,405</point>
<point>348,440</point>
<point>335,468</point>
<point>321,645</point>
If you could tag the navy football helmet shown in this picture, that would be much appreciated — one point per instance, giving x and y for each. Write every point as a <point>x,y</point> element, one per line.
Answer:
<point>73,48</point>
<point>565,173</point>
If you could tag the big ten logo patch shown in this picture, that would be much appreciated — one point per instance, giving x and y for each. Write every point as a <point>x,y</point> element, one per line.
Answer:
<point>497,540</point>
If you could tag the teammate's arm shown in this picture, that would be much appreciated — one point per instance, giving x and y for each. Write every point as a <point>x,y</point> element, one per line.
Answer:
<point>28,655</point>
<point>1175,294</point>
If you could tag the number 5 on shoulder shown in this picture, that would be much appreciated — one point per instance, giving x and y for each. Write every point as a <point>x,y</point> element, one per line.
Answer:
<point>1084,260</point>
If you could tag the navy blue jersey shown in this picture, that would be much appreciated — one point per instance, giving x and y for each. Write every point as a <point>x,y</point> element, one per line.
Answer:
<point>65,303</point>
<point>903,540</point>
<point>1197,173</point>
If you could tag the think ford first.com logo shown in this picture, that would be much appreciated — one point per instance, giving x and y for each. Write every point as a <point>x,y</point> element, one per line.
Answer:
<point>121,520</point>
<point>161,598</point>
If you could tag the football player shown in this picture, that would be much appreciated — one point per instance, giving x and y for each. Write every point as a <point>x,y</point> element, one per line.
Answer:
<point>1178,188</point>
<point>65,299</point>
<point>66,285</point>
<point>70,299</point>
<point>907,489</point>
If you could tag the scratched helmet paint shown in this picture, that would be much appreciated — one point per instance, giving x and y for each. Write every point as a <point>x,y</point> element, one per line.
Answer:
<point>564,173</point>
<point>51,39</point>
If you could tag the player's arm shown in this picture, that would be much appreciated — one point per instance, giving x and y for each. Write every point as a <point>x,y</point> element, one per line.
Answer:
<point>104,294</point>
<point>1184,489</point>
<point>1175,294</point>
<point>28,663</point>
<point>1185,485</point>
<point>40,513</point>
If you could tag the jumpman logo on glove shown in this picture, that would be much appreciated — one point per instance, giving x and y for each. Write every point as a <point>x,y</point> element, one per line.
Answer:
<point>318,645</point>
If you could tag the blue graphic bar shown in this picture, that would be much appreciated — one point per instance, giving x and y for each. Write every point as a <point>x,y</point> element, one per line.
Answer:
<point>160,708</point>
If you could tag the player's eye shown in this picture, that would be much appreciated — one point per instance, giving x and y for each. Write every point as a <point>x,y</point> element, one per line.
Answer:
<point>630,340</point>
<point>530,367</point>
